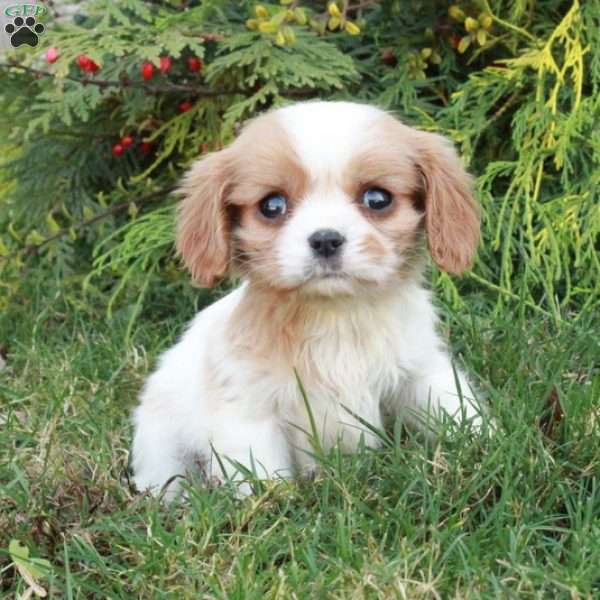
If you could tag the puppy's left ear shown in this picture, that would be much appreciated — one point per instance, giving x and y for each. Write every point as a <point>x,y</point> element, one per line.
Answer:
<point>451,213</point>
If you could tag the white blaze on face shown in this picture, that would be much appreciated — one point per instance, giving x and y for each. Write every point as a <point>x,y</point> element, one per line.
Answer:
<point>326,137</point>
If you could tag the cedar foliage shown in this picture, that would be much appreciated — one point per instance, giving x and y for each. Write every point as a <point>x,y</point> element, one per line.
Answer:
<point>514,84</point>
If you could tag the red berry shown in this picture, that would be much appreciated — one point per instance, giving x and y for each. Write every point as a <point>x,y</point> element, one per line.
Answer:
<point>185,106</point>
<point>388,57</point>
<point>126,141</point>
<point>92,67</point>
<point>51,55</point>
<point>146,147</point>
<point>165,64</point>
<point>194,64</point>
<point>147,71</point>
<point>84,62</point>
<point>118,150</point>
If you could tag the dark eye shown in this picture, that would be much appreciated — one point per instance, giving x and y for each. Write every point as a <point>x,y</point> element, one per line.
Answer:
<point>376,198</point>
<point>273,206</point>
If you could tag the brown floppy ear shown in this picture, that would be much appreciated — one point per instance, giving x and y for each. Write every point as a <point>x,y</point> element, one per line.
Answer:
<point>202,221</point>
<point>451,213</point>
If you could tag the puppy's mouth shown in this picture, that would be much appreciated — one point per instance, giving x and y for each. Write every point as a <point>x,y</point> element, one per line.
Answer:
<point>327,280</point>
<point>320,271</point>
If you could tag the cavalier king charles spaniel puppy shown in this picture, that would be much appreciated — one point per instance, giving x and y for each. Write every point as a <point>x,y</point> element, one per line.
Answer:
<point>323,209</point>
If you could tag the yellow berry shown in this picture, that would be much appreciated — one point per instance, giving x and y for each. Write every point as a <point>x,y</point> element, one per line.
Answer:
<point>485,20</point>
<point>252,24</point>
<point>334,23</point>
<point>456,13</point>
<point>464,44</point>
<point>300,15</point>
<point>267,27</point>
<point>260,11</point>
<point>333,9</point>
<point>352,28</point>
<point>471,24</point>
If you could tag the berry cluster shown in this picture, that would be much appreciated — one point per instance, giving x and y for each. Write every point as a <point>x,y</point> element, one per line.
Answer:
<point>280,21</point>
<point>477,29</point>
<point>193,65</point>
<point>127,141</point>
<point>419,61</point>
<point>87,65</point>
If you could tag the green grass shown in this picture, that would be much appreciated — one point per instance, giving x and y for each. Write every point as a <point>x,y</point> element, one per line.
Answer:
<point>514,514</point>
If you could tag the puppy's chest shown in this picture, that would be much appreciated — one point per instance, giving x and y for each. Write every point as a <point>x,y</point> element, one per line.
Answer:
<point>343,361</point>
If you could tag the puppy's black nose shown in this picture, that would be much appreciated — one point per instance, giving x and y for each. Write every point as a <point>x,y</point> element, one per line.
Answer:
<point>326,242</point>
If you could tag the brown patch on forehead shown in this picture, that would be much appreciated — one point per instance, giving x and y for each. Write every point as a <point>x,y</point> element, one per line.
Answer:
<point>262,160</point>
<point>388,161</point>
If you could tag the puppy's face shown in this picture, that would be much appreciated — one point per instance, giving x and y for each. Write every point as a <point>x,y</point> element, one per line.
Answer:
<point>327,198</point>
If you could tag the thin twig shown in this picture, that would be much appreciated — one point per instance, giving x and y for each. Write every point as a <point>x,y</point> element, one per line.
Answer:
<point>112,210</point>
<point>153,89</point>
<point>505,106</point>
<point>192,90</point>
<point>361,5</point>
<point>207,37</point>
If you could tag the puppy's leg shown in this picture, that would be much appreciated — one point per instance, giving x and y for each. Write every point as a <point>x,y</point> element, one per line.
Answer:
<point>156,453</point>
<point>259,445</point>
<point>439,388</point>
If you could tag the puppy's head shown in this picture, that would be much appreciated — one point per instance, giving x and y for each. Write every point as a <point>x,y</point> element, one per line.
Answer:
<point>327,198</point>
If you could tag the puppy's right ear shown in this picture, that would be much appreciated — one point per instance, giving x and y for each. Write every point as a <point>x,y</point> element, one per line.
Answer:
<point>203,228</point>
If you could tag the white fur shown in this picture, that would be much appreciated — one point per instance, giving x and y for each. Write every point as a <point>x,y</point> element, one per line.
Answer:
<point>328,209</point>
<point>327,134</point>
<point>370,345</point>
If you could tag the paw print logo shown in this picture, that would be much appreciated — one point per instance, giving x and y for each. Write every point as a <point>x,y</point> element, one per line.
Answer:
<point>24,31</point>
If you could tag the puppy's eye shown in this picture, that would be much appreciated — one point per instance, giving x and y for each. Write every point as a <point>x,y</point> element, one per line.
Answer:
<point>273,206</point>
<point>376,198</point>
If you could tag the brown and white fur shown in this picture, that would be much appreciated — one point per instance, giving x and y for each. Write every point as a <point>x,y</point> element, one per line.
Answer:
<point>359,330</point>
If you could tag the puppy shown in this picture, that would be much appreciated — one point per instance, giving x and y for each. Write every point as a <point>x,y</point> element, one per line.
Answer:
<point>323,210</point>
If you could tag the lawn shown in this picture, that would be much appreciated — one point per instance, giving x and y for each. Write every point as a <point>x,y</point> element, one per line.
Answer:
<point>515,513</point>
<point>100,121</point>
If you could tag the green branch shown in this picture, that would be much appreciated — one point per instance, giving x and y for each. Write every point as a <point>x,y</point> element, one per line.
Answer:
<point>168,88</point>
<point>125,83</point>
<point>33,249</point>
